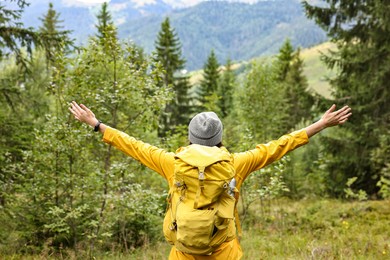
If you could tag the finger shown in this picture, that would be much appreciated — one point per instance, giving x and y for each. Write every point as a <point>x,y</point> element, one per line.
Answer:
<point>345,117</point>
<point>77,107</point>
<point>331,109</point>
<point>89,111</point>
<point>343,121</point>
<point>73,105</point>
<point>74,114</point>
<point>72,110</point>
<point>343,110</point>
<point>84,107</point>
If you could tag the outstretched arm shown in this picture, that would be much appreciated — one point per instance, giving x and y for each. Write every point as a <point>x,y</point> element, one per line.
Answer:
<point>329,119</point>
<point>153,157</point>
<point>85,115</point>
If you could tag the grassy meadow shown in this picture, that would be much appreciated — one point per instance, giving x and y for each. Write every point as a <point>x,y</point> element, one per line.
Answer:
<point>287,229</point>
<point>321,229</point>
<point>314,69</point>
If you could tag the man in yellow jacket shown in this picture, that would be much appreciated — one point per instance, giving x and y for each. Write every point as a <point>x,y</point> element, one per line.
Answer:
<point>206,129</point>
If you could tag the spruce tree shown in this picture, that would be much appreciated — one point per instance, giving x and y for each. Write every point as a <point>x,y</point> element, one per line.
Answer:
<point>13,35</point>
<point>183,103</point>
<point>14,38</point>
<point>53,30</point>
<point>105,24</point>
<point>168,49</point>
<point>225,90</point>
<point>289,72</point>
<point>284,59</point>
<point>207,92</point>
<point>299,98</point>
<point>362,33</point>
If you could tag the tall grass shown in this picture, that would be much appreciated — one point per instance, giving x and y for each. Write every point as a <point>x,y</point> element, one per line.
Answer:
<point>327,229</point>
<point>321,229</point>
<point>324,229</point>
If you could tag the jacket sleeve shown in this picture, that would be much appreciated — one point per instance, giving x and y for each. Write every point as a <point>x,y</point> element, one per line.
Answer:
<point>264,154</point>
<point>152,157</point>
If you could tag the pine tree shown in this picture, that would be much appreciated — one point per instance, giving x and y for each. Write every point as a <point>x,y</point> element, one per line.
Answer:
<point>105,24</point>
<point>183,103</point>
<point>284,59</point>
<point>289,72</point>
<point>362,33</point>
<point>169,55</point>
<point>225,90</point>
<point>299,98</point>
<point>52,29</point>
<point>14,37</point>
<point>209,84</point>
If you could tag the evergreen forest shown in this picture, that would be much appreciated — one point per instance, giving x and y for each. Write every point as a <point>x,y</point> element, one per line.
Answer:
<point>65,194</point>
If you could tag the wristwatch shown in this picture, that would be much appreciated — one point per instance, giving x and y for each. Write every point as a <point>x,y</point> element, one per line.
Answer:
<point>96,129</point>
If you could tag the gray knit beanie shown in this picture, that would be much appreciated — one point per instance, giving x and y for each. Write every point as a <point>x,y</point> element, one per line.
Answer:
<point>205,129</point>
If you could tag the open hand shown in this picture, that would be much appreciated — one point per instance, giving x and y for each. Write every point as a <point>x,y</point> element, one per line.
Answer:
<point>83,114</point>
<point>333,118</point>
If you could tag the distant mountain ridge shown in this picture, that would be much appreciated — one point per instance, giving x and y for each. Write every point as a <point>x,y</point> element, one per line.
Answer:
<point>236,30</point>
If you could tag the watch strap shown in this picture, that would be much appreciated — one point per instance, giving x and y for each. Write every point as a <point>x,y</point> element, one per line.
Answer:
<point>96,128</point>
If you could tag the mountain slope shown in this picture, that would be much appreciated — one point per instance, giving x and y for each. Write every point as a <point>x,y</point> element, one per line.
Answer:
<point>236,30</point>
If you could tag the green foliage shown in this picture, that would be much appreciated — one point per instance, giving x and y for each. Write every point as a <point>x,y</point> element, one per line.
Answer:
<point>58,39</point>
<point>300,99</point>
<point>362,76</point>
<point>226,90</point>
<point>305,175</point>
<point>104,21</point>
<point>66,183</point>
<point>168,50</point>
<point>184,102</point>
<point>284,60</point>
<point>210,83</point>
<point>23,100</point>
<point>265,186</point>
<point>380,159</point>
<point>14,39</point>
<point>351,194</point>
<point>13,35</point>
<point>258,98</point>
<point>289,71</point>
<point>168,54</point>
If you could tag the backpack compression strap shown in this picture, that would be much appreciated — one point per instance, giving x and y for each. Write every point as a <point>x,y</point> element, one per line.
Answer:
<point>201,178</point>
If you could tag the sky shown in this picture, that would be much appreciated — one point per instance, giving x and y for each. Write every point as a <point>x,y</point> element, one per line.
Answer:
<point>174,3</point>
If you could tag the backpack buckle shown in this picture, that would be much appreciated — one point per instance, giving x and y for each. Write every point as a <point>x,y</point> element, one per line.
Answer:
<point>173,226</point>
<point>201,175</point>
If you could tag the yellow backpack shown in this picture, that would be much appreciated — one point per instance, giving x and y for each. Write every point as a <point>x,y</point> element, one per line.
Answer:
<point>201,200</point>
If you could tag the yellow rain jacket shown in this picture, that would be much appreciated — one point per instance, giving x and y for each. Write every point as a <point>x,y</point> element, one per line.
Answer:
<point>245,163</point>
